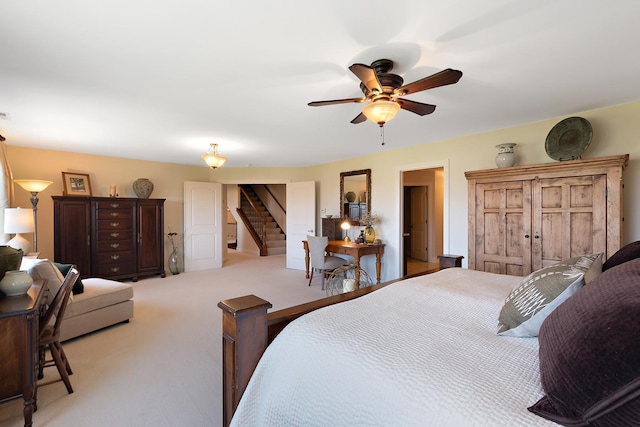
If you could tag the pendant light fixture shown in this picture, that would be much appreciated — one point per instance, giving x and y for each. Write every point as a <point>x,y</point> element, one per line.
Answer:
<point>381,111</point>
<point>213,158</point>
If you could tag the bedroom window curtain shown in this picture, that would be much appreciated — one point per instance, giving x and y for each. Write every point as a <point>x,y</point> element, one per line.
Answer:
<point>6,188</point>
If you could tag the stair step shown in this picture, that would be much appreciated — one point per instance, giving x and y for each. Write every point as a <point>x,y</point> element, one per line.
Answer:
<point>277,251</point>
<point>275,237</point>
<point>276,243</point>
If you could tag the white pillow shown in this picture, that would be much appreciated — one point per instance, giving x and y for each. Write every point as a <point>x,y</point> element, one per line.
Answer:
<point>538,294</point>
<point>44,269</point>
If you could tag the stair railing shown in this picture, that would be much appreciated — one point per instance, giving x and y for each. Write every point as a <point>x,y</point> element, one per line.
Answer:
<point>257,227</point>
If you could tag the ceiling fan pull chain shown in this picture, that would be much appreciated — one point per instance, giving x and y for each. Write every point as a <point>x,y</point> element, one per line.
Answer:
<point>382,133</point>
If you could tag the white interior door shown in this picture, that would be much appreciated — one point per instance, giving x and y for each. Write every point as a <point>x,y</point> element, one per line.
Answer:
<point>204,225</point>
<point>301,220</point>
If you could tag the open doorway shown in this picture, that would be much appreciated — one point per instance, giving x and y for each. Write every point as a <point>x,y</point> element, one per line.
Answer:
<point>422,219</point>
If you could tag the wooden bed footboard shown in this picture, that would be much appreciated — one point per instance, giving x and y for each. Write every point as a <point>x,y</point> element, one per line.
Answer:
<point>247,330</point>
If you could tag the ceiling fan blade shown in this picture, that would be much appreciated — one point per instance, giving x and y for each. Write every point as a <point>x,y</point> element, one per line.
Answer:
<point>416,107</point>
<point>359,119</point>
<point>367,76</point>
<point>335,101</point>
<point>443,78</point>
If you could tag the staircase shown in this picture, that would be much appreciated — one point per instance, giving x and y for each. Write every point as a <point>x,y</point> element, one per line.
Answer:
<point>263,228</point>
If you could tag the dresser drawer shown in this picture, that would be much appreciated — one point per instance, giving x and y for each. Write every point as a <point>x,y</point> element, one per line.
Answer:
<point>114,246</point>
<point>114,224</point>
<point>115,214</point>
<point>117,269</point>
<point>115,234</point>
<point>115,257</point>
<point>115,204</point>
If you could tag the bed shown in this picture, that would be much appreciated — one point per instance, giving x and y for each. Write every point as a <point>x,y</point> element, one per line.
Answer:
<point>421,351</point>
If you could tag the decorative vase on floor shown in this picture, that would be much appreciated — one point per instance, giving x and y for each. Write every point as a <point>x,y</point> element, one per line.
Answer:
<point>15,282</point>
<point>369,234</point>
<point>174,262</point>
<point>143,188</point>
<point>506,156</point>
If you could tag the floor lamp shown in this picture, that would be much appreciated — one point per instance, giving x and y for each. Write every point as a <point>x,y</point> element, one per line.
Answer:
<point>18,221</point>
<point>34,186</point>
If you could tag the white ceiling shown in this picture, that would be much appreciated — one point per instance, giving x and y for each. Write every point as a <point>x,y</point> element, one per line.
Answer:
<point>160,79</point>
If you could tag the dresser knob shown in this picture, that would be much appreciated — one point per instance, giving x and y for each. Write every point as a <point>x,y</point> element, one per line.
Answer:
<point>115,245</point>
<point>114,213</point>
<point>115,224</point>
<point>115,205</point>
<point>115,257</point>
<point>115,269</point>
<point>115,234</point>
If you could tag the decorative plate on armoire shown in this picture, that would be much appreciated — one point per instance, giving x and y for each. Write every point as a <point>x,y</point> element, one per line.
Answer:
<point>568,139</point>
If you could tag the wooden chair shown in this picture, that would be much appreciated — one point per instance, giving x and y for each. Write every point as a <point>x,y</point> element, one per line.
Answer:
<point>49,335</point>
<point>320,260</point>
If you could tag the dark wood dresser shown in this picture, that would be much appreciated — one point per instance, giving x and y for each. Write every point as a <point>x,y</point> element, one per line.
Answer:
<point>113,238</point>
<point>19,348</point>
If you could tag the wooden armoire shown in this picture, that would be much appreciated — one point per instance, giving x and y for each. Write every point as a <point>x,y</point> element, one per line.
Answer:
<point>524,218</point>
<point>113,238</point>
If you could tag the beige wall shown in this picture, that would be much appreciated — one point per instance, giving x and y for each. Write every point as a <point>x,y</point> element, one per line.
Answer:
<point>45,164</point>
<point>616,131</point>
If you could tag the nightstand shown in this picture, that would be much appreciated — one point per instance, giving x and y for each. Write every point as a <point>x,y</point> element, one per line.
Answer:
<point>449,261</point>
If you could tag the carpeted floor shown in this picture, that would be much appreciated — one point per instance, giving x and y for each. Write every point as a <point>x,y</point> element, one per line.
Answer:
<point>164,367</point>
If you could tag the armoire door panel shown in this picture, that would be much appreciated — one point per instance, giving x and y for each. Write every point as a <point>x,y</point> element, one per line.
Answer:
<point>573,211</point>
<point>503,220</point>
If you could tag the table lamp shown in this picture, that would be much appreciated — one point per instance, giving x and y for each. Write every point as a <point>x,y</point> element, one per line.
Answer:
<point>18,221</point>
<point>346,226</point>
<point>34,186</point>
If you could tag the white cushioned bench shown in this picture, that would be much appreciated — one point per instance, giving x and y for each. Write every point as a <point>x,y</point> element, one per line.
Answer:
<point>102,303</point>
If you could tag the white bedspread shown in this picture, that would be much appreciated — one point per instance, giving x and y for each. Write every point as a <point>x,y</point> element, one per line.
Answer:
<point>422,352</point>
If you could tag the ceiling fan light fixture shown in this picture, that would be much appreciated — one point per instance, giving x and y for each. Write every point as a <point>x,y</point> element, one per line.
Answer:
<point>381,112</point>
<point>213,158</point>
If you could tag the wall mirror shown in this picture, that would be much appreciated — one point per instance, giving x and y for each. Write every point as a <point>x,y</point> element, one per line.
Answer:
<point>355,195</point>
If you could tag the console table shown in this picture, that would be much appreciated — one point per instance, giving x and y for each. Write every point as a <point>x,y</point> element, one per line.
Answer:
<point>19,317</point>
<point>356,250</point>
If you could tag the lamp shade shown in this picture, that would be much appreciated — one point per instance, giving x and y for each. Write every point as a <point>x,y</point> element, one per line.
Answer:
<point>381,112</point>
<point>17,220</point>
<point>212,158</point>
<point>33,185</point>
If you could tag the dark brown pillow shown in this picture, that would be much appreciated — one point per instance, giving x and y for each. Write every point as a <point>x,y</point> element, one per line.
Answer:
<point>624,254</point>
<point>590,353</point>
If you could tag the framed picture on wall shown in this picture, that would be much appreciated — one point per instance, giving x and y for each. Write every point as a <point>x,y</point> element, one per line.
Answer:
<point>76,184</point>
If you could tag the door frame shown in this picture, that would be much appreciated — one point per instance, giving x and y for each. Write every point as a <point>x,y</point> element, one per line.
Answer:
<point>436,164</point>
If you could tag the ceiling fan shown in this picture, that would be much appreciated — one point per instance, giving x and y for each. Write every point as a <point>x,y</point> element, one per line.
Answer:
<point>382,91</point>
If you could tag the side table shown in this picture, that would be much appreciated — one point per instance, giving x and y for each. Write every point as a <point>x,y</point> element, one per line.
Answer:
<point>450,261</point>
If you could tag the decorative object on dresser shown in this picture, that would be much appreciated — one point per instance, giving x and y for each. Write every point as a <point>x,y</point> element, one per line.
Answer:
<point>112,238</point>
<point>568,139</point>
<point>15,283</point>
<point>143,188</point>
<point>35,186</point>
<point>506,156</point>
<point>10,259</point>
<point>369,233</point>
<point>76,184</point>
<point>528,217</point>
<point>18,221</point>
